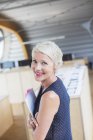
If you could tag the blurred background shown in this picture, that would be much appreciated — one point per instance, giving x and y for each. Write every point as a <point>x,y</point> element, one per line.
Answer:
<point>23,23</point>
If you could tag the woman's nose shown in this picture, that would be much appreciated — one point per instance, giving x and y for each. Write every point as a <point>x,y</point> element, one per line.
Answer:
<point>38,67</point>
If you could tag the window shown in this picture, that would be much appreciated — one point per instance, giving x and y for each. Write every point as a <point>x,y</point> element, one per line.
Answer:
<point>1,43</point>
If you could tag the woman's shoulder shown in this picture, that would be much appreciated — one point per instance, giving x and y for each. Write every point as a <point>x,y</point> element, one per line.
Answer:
<point>51,95</point>
<point>50,98</point>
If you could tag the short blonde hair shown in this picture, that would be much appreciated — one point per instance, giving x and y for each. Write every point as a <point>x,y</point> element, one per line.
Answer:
<point>50,49</point>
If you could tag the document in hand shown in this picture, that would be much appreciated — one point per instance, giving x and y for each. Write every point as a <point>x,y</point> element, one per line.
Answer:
<point>30,100</point>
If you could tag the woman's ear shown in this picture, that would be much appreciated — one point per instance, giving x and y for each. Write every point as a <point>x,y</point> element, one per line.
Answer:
<point>55,68</point>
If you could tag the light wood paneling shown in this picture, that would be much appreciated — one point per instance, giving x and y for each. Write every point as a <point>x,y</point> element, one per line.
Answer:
<point>6,118</point>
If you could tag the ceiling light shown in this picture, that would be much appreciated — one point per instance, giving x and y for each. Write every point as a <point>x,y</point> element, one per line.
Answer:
<point>39,40</point>
<point>87,25</point>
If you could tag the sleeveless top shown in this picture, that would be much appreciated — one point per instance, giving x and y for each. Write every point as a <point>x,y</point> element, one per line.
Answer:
<point>60,128</point>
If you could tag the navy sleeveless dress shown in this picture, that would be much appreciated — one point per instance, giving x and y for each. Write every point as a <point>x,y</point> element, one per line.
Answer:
<point>60,128</point>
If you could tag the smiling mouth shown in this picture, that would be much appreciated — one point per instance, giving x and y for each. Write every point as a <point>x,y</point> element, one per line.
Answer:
<point>38,74</point>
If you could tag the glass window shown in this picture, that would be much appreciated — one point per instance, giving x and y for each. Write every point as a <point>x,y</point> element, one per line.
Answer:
<point>1,43</point>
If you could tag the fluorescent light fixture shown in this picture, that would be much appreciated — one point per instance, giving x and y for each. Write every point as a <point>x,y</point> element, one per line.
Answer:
<point>39,40</point>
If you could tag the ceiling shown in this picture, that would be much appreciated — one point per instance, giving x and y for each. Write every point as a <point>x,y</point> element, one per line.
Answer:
<point>35,11</point>
<point>58,20</point>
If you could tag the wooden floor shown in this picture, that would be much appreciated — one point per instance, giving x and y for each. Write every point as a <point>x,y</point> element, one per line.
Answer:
<point>17,131</point>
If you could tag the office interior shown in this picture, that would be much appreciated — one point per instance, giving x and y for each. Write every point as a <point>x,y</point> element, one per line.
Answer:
<point>23,24</point>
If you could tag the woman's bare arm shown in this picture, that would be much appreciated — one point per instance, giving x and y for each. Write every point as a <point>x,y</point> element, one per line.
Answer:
<point>48,107</point>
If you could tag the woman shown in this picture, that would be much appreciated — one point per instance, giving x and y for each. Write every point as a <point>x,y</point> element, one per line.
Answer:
<point>52,113</point>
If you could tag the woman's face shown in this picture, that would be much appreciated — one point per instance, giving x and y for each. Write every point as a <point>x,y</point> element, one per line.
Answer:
<point>42,66</point>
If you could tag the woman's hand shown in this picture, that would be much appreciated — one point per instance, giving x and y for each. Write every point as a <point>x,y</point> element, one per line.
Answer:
<point>32,122</point>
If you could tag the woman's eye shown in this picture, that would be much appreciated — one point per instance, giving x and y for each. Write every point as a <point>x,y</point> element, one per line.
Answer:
<point>44,63</point>
<point>34,61</point>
